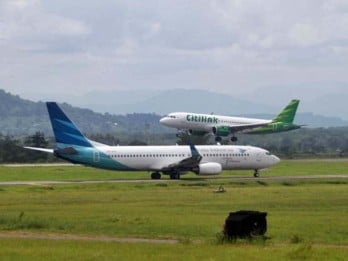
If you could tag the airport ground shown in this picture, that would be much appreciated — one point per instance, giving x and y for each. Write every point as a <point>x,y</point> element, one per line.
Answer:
<point>136,219</point>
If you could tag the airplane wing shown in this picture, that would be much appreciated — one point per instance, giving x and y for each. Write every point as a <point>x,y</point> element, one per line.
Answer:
<point>40,149</point>
<point>185,138</point>
<point>185,164</point>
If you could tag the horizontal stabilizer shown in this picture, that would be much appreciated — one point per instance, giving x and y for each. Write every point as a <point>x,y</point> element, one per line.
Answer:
<point>40,149</point>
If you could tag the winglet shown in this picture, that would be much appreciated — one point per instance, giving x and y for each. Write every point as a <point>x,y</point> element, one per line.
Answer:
<point>194,151</point>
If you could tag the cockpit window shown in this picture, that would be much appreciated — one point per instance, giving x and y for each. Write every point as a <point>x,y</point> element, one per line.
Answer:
<point>268,153</point>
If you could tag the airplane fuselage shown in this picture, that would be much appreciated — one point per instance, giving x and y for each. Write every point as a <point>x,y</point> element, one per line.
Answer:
<point>155,158</point>
<point>205,122</point>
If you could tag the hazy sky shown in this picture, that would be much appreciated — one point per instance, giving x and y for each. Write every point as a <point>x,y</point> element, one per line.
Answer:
<point>55,48</point>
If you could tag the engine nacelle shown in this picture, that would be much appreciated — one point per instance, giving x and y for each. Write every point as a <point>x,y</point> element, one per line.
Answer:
<point>209,168</point>
<point>221,131</point>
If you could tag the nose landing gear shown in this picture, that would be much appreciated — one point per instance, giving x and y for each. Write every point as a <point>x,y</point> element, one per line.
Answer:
<point>256,173</point>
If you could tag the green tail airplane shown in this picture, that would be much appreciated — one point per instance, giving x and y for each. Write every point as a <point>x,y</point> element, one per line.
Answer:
<point>220,126</point>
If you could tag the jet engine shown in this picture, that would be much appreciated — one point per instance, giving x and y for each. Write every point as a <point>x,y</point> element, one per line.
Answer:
<point>221,131</point>
<point>209,168</point>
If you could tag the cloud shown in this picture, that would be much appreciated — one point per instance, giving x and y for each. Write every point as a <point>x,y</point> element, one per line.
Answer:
<point>305,35</point>
<point>233,46</point>
<point>26,25</point>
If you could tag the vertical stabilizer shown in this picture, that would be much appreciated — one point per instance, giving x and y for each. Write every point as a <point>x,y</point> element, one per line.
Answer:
<point>64,130</point>
<point>287,115</point>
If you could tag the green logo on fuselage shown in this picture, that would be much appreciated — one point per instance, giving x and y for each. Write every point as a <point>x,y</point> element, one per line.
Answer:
<point>201,118</point>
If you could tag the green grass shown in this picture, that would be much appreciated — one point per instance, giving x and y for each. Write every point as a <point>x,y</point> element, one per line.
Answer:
<point>175,211</point>
<point>306,219</point>
<point>309,167</point>
<point>284,168</point>
<point>19,249</point>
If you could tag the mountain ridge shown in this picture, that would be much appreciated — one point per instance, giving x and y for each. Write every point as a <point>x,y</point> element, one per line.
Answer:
<point>21,117</point>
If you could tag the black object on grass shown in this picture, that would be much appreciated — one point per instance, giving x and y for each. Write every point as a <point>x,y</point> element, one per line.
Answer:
<point>245,224</point>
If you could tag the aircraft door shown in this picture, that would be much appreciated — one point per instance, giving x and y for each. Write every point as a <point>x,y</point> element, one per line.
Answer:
<point>96,156</point>
<point>230,163</point>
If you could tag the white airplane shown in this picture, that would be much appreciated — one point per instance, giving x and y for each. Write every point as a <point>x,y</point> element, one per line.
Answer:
<point>223,126</point>
<point>73,146</point>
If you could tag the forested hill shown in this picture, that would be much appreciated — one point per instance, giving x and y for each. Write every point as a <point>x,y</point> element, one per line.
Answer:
<point>24,117</point>
<point>14,106</point>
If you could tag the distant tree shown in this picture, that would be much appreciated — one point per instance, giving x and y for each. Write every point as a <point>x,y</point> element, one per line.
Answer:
<point>107,139</point>
<point>36,140</point>
<point>137,143</point>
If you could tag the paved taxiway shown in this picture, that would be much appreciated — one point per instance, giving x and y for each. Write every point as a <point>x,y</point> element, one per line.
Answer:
<point>68,182</point>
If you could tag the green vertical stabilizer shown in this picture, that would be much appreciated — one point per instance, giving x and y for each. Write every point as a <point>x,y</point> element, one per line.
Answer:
<point>281,123</point>
<point>287,115</point>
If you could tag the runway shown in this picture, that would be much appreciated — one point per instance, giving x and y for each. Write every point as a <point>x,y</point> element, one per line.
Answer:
<point>69,182</point>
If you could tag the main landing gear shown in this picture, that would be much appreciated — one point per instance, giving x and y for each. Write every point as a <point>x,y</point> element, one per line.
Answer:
<point>155,175</point>
<point>174,175</point>
<point>219,139</point>
<point>256,173</point>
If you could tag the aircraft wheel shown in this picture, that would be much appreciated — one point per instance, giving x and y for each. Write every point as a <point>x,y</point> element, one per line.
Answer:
<point>175,176</point>
<point>256,173</point>
<point>234,139</point>
<point>218,139</point>
<point>155,175</point>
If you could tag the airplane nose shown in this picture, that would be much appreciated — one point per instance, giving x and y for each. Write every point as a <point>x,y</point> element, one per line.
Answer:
<point>164,120</point>
<point>275,159</point>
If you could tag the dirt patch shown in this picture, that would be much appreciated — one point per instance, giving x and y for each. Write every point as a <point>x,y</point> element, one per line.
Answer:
<point>52,236</point>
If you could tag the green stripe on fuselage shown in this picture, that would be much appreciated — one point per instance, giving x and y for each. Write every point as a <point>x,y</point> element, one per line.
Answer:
<point>274,128</point>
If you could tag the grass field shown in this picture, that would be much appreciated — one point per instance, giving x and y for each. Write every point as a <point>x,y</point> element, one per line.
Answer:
<point>306,219</point>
